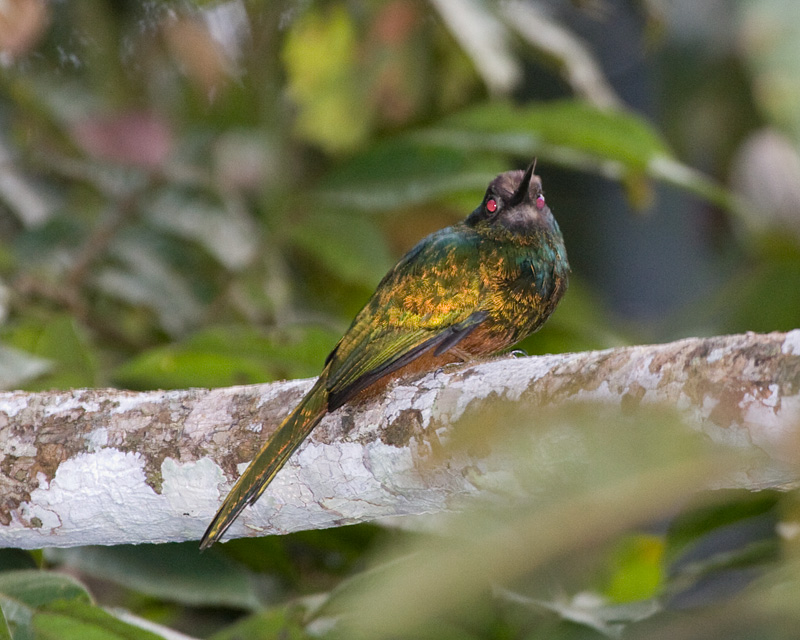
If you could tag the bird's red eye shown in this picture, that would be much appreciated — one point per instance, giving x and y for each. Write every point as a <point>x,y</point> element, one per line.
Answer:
<point>491,205</point>
<point>540,202</point>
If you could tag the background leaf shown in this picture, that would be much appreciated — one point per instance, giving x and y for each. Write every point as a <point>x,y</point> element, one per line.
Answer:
<point>172,572</point>
<point>24,592</point>
<point>230,355</point>
<point>17,367</point>
<point>62,342</point>
<point>78,621</point>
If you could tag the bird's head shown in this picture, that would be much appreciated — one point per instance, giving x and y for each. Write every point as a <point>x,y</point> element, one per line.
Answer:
<point>514,201</point>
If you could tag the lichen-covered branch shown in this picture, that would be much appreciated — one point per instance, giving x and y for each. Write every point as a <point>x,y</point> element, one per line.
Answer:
<point>102,466</point>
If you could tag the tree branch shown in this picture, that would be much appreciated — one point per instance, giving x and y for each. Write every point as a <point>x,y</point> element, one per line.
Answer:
<point>112,467</point>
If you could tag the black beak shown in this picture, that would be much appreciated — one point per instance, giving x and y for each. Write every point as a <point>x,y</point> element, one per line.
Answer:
<point>522,190</point>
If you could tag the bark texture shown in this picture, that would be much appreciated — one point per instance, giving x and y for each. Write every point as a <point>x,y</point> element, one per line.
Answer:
<point>102,466</point>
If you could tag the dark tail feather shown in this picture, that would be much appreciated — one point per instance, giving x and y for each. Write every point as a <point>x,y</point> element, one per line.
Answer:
<point>294,429</point>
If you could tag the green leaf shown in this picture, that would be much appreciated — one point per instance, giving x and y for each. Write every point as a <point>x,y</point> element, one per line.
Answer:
<point>727,531</point>
<point>588,610</point>
<point>61,341</point>
<point>176,368</point>
<point>224,356</point>
<point>69,620</point>
<point>328,555</point>
<point>406,171</point>
<point>350,245</point>
<point>618,144</point>
<point>485,38</point>
<point>284,623</point>
<point>770,46</point>
<point>551,128</point>
<point>320,54</point>
<point>36,588</point>
<point>464,151</point>
<point>5,630</point>
<point>16,617</point>
<point>147,278</point>
<point>43,246</point>
<point>17,560</point>
<point>716,510</point>
<point>227,233</point>
<point>763,296</point>
<point>23,592</point>
<point>637,569</point>
<point>174,572</point>
<point>18,367</point>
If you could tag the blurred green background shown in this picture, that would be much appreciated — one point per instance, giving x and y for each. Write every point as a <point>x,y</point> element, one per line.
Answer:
<point>205,193</point>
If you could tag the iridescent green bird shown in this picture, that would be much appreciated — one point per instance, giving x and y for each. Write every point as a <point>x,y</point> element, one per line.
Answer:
<point>466,291</point>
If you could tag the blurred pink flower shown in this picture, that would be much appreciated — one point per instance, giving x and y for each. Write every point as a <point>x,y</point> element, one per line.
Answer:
<point>136,138</point>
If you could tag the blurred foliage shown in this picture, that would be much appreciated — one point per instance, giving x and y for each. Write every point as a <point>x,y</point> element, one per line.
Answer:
<point>205,193</point>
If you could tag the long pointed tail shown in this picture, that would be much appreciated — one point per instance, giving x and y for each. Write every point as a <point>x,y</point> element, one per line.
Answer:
<point>293,430</point>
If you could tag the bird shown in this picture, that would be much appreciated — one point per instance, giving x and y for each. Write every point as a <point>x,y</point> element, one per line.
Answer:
<point>464,292</point>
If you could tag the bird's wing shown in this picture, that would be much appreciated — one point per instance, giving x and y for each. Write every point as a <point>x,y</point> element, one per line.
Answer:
<point>431,300</point>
